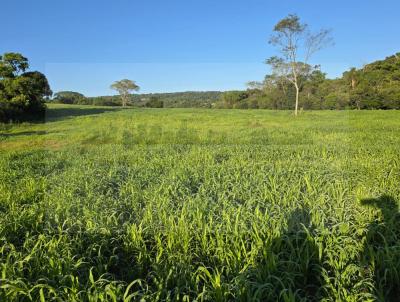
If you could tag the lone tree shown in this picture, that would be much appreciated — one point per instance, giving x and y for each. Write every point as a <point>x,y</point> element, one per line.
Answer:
<point>296,44</point>
<point>124,87</point>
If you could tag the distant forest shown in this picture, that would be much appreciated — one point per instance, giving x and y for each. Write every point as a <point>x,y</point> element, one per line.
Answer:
<point>188,99</point>
<point>374,86</point>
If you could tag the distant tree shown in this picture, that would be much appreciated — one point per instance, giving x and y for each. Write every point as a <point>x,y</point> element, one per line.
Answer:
<point>69,97</point>
<point>154,102</point>
<point>124,88</point>
<point>351,79</point>
<point>233,99</point>
<point>296,45</point>
<point>311,87</point>
<point>22,94</point>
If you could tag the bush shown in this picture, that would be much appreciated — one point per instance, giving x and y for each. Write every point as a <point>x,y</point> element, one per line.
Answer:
<point>20,112</point>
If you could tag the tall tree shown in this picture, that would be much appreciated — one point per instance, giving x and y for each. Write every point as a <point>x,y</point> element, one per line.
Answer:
<point>296,44</point>
<point>124,88</point>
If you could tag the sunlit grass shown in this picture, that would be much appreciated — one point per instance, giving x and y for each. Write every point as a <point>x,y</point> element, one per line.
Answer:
<point>207,205</point>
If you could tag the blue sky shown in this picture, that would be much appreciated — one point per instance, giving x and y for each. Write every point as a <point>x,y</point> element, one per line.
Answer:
<point>84,45</point>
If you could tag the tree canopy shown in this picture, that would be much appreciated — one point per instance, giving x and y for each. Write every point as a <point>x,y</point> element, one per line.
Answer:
<point>69,97</point>
<point>124,88</point>
<point>22,93</point>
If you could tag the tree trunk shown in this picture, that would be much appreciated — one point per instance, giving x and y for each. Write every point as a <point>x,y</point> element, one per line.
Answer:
<point>353,83</point>
<point>296,109</point>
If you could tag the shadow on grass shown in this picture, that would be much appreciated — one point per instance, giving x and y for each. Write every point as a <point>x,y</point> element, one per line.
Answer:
<point>57,114</point>
<point>22,133</point>
<point>290,268</point>
<point>381,256</point>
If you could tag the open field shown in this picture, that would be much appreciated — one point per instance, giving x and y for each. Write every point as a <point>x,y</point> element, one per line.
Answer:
<point>104,204</point>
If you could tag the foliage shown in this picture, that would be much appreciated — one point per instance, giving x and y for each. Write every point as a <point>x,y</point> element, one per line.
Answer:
<point>188,99</point>
<point>154,102</point>
<point>21,93</point>
<point>69,97</point>
<point>234,99</point>
<point>375,86</point>
<point>106,101</point>
<point>124,88</point>
<point>206,205</point>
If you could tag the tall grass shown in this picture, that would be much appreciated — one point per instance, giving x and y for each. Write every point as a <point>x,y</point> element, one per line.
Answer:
<point>200,205</point>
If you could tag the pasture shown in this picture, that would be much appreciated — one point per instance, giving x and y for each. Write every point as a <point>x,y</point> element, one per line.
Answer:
<point>104,204</point>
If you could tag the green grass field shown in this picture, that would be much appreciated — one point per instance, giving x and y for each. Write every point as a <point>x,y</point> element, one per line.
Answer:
<point>104,204</point>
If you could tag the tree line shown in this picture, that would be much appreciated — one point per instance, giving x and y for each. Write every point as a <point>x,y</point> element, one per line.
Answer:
<point>188,99</point>
<point>374,86</point>
<point>23,94</point>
